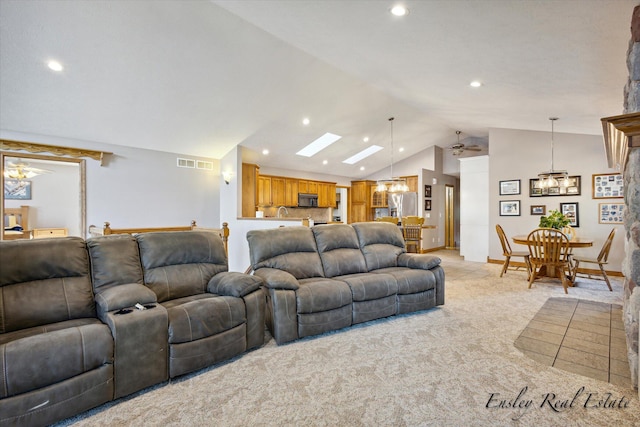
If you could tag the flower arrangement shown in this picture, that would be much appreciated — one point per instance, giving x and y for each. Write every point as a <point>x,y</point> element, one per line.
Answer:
<point>555,219</point>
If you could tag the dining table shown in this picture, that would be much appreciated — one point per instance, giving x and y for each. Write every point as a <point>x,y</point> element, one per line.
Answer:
<point>574,242</point>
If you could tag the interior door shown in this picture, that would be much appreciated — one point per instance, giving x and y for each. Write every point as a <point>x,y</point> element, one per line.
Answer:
<point>449,214</point>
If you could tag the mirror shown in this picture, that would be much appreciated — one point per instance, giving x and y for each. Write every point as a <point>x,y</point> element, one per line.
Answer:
<point>46,194</point>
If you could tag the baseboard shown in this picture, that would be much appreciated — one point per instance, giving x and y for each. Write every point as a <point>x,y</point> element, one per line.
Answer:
<point>439,248</point>
<point>580,270</point>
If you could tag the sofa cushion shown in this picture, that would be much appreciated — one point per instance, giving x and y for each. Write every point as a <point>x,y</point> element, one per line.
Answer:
<point>381,243</point>
<point>365,287</point>
<point>44,281</point>
<point>316,295</point>
<point>180,263</point>
<point>43,359</point>
<point>339,250</point>
<point>292,249</point>
<point>191,319</point>
<point>410,281</point>
<point>115,260</point>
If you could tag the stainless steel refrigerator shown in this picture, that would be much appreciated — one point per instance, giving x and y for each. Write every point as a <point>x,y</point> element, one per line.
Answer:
<point>403,204</point>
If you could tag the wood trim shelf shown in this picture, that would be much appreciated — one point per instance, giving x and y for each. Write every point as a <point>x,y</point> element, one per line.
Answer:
<point>32,147</point>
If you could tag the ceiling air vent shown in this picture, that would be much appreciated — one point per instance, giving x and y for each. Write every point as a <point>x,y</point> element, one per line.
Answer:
<point>186,163</point>
<point>204,165</point>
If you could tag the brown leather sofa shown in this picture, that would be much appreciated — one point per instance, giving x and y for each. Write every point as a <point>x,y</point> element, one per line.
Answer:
<point>333,276</point>
<point>72,339</point>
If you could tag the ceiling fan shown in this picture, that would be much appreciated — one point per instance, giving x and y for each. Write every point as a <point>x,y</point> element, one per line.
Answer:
<point>458,148</point>
<point>21,170</point>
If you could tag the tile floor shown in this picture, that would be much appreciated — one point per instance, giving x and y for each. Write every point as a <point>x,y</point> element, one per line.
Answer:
<point>583,337</point>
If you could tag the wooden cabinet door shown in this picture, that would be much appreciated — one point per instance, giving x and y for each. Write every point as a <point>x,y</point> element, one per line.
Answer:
<point>359,192</point>
<point>312,187</point>
<point>331,196</point>
<point>412,183</point>
<point>291,192</point>
<point>303,186</point>
<point>250,174</point>
<point>378,198</point>
<point>264,191</point>
<point>278,194</point>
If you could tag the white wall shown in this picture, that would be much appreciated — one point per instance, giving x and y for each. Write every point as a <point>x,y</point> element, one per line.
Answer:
<point>137,188</point>
<point>518,154</point>
<point>474,211</point>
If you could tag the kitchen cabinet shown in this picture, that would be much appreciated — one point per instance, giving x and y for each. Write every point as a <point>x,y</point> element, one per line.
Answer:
<point>361,209</point>
<point>250,174</point>
<point>412,183</point>
<point>378,198</point>
<point>326,195</point>
<point>264,190</point>
<point>291,192</point>
<point>278,194</point>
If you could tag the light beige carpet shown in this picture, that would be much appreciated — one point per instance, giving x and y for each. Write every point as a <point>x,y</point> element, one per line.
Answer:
<point>455,365</point>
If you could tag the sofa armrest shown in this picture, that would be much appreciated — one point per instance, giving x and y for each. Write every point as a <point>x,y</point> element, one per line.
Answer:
<point>277,279</point>
<point>121,296</point>
<point>233,284</point>
<point>418,261</point>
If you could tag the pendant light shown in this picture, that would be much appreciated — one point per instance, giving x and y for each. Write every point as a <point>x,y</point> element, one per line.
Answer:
<point>553,178</point>
<point>393,184</point>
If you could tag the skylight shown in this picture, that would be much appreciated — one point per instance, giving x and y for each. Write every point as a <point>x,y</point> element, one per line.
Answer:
<point>363,154</point>
<point>318,145</point>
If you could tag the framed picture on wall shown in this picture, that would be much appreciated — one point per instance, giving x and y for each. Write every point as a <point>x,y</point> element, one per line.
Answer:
<point>570,210</point>
<point>427,191</point>
<point>15,189</point>
<point>607,186</point>
<point>538,210</point>
<point>610,213</point>
<point>427,205</point>
<point>509,207</point>
<point>510,187</point>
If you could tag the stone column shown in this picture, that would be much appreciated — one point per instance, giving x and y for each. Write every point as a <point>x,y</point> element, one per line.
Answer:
<point>631,263</point>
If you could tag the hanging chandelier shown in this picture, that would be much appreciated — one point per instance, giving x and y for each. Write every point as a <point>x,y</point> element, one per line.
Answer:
<point>553,178</point>
<point>22,170</point>
<point>393,184</point>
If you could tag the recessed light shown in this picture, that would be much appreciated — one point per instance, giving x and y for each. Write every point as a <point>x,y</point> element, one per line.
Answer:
<point>55,65</point>
<point>319,144</point>
<point>265,152</point>
<point>365,139</point>
<point>475,83</point>
<point>399,10</point>
<point>324,162</point>
<point>306,121</point>
<point>363,154</point>
<point>401,149</point>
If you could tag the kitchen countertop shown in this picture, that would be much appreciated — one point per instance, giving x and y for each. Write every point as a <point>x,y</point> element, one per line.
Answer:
<point>269,218</point>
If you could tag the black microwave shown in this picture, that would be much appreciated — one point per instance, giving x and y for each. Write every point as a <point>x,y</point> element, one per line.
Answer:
<point>307,200</point>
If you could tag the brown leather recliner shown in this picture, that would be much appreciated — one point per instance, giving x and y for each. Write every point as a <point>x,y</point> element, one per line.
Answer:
<point>56,356</point>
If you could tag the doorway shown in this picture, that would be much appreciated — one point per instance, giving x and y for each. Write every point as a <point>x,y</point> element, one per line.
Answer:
<point>449,218</point>
<point>54,199</point>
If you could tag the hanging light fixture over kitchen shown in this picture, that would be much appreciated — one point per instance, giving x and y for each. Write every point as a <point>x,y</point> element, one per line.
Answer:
<point>553,178</point>
<point>393,184</point>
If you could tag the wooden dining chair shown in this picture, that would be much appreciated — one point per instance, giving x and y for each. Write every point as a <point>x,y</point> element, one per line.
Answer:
<point>570,232</point>
<point>508,253</point>
<point>391,219</point>
<point>412,232</point>
<point>549,248</point>
<point>601,260</point>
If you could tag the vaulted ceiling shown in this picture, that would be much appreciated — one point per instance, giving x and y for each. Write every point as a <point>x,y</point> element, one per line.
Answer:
<point>200,77</point>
